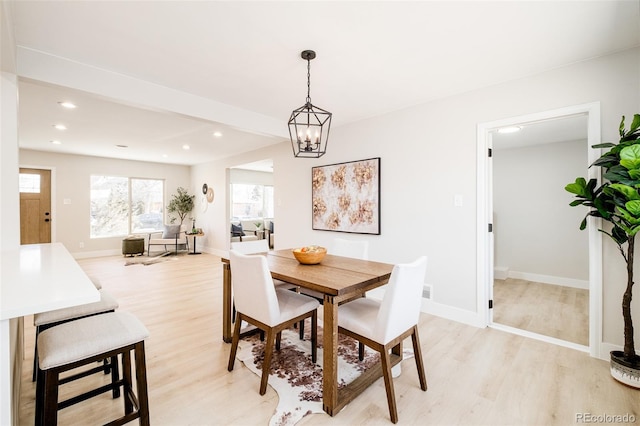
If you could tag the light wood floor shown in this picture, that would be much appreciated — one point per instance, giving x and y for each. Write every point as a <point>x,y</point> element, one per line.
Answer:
<point>476,376</point>
<point>550,310</point>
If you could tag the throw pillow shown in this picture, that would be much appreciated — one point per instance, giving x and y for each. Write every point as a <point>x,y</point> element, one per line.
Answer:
<point>236,230</point>
<point>171,231</point>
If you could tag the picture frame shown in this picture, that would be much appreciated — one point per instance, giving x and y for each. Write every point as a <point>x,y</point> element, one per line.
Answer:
<point>346,197</point>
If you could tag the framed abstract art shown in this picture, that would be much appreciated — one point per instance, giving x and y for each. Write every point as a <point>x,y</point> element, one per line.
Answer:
<point>346,197</point>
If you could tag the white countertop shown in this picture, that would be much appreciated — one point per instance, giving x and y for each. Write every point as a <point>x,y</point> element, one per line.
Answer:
<point>41,277</point>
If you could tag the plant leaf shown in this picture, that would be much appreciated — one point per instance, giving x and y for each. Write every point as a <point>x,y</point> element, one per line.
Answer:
<point>579,187</point>
<point>603,145</point>
<point>630,157</point>
<point>635,124</point>
<point>629,192</point>
<point>633,207</point>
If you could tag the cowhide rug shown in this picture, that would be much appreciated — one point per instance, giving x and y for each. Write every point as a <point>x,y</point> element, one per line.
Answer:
<point>149,260</point>
<point>295,378</point>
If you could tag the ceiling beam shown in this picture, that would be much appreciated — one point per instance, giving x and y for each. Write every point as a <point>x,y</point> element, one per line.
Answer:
<point>131,91</point>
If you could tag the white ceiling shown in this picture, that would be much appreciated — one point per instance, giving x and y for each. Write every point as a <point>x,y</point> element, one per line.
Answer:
<point>372,58</point>
<point>564,129</point>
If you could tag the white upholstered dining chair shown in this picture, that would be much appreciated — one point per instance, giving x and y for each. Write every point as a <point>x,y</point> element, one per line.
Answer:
<point>349,248</point>
<point>272,310</point>
<point>259,246</point>
<point>262,246</point>
<point>384,325</point>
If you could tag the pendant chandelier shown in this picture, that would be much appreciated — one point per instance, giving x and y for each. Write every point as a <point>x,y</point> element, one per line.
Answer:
<point>309,125</point>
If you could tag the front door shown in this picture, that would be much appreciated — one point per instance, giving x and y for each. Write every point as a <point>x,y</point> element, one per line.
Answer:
<point>35,206</point>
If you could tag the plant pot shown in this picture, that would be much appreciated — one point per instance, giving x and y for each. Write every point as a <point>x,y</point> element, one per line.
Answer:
<point>625,371</point>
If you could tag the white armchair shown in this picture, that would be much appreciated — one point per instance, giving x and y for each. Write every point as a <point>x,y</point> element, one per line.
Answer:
<point>173,238</point>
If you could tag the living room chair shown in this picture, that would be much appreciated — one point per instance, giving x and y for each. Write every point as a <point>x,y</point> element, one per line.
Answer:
<point>238,234</point>
<point>383,326</point>
<point>173,237</point>
<point>272,310</point>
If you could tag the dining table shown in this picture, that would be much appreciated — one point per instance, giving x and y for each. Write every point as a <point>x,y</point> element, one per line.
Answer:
<point>339,279</point>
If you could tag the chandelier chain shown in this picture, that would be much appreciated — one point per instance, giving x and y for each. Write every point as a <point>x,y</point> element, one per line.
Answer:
<point>308,81</point>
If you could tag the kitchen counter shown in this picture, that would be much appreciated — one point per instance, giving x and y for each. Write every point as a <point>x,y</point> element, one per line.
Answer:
<point>33,278</point>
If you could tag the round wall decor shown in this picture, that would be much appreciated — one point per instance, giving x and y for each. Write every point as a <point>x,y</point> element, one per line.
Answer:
<point>210,195</point>
<point>205,188</point>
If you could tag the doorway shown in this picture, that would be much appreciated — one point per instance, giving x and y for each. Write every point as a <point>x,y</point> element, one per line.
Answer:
<point>35,206</point>
<point>541,258</point>
<point>491,210</point>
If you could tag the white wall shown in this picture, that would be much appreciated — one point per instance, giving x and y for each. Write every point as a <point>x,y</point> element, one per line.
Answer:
<point>250,177</point>
<point>535,230</point>
<point>71,180</point>
<point>428,155</point>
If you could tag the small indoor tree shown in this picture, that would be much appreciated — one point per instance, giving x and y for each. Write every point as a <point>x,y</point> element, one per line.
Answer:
<point>181,204</point>
<point>617,201</point>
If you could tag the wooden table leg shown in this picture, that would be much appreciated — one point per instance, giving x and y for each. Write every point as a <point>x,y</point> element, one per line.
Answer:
<point>226,302</point>
<point>330,357</point>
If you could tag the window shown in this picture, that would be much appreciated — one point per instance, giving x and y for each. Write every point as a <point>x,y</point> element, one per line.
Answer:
<point>29,183</point>
<point>120,205</point>
<point>251,201</point>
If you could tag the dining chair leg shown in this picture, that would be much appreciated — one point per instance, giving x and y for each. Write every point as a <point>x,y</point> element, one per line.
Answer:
<point>266,363</point>
<point>234,342</point>
<point>388,384</point>
<point>417,352</point>
<point>278,340</point>
<point>361,351</point>
<point>314,336</point>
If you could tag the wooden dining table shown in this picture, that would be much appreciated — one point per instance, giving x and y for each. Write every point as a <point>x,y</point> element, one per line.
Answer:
<point>339,279</point>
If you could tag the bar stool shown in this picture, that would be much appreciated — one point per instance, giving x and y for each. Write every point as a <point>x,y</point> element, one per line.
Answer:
<point>45,320</point>
<point>88,340</point>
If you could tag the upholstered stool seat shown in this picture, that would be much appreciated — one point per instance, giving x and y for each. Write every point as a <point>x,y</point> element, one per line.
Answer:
<point>45,320</point>
<point>87,340</point>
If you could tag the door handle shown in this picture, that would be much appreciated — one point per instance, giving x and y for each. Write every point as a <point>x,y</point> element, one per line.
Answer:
<point>47,220</point>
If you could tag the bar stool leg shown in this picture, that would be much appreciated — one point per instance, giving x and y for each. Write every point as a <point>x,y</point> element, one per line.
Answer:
<point>126,375</point>
<point>141,381</point>
<point>50,412</point>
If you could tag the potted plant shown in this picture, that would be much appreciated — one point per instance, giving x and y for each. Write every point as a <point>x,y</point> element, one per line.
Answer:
<point>617,201</point>
<point>180,204</point>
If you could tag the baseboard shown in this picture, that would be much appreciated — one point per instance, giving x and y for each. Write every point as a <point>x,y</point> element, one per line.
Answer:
<point>452,313</point>
<point>548,279</point>
<point>98,253</point>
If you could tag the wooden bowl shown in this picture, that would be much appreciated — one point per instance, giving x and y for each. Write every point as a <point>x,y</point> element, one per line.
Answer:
<point>310,257</point>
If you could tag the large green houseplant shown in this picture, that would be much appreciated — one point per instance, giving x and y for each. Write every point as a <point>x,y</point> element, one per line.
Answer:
<point>617,201</point>
<point>181,204</point>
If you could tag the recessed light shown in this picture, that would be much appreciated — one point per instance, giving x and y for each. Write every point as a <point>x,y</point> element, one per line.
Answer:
<point>56,142</point>
<point>164,155</point>
<point>60,126</point>
<point>510,129</point>
<point>122,146</point>
<point>67,105</point>
<point>217,134</point>
<point>186,147</point>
